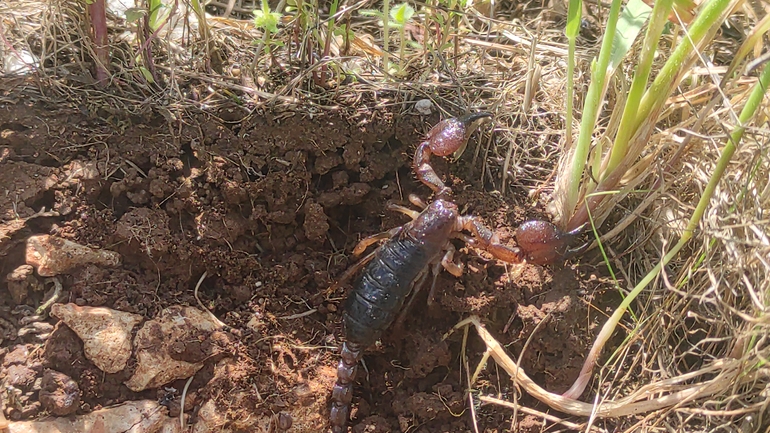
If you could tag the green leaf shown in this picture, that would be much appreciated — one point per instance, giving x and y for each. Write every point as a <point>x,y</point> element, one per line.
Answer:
<point>401,14</point>
<point>158,13</point>
<point>266,20</point>
<point>147,74</point>
<point>574,15</point>
<point>134,14</point>
<point>630,23</point>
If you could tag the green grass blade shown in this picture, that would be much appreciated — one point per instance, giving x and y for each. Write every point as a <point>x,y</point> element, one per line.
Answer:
<point>591,111</point>
<point>749,110</point>
<point>620,146</point>
<point>632,19</point>
<point>574,16</point>
<point>158,13</point>
<point>704,23</point>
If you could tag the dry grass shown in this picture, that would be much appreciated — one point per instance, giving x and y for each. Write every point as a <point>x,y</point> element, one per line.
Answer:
<point>701,329</point>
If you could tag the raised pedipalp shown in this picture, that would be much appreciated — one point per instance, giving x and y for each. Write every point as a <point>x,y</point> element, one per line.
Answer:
<point>483,238</point>
<point>446,138</point>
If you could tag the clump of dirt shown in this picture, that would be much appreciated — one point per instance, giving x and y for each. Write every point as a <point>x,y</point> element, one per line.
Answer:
<point>59,394</point>
<point>269,206</point>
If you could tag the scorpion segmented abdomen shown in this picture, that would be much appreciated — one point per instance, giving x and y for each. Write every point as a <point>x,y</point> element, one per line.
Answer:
<point>379,293</point>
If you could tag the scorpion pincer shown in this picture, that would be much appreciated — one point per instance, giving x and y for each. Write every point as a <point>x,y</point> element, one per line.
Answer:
<point>400,265</point>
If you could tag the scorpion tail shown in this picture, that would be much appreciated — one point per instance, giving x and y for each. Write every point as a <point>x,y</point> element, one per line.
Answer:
<point>342,393</point>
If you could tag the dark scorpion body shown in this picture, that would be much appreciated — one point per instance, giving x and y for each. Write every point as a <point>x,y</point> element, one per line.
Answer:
<point>400,265</point>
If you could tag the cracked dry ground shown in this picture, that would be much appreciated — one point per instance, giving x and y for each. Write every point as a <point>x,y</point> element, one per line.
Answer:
<point>269,206</point>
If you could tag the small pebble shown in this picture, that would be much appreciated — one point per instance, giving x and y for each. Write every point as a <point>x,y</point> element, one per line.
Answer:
<point>424,107</point>
<point>20,376</point>
<point>284,421</point>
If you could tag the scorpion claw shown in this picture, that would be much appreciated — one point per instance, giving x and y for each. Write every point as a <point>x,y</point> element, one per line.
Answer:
<point>448,137</point>
<point>543,243</point>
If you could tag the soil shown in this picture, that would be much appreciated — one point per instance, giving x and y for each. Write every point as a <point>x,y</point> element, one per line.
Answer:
<point>270,206</point>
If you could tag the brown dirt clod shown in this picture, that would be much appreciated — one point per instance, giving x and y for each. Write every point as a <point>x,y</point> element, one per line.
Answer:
<point>59,394</point>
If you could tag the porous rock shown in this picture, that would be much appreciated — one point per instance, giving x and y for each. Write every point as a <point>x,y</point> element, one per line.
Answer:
<point>20,280</point>
<point>52,256</point>
<point>106,333</point>
<point>144,416</point>
<point>162,341</point>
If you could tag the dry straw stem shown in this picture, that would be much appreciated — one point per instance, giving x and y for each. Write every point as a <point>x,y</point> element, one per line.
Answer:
<point>663,394</point>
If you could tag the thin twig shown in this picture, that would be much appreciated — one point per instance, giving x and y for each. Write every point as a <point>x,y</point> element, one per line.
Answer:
<point>300,315</point>
<point>55,296</point>
<point>181,404</point>
<point>203,307</point>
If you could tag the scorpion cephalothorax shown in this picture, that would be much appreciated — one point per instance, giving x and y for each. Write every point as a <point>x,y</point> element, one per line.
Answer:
<point>402,262</point>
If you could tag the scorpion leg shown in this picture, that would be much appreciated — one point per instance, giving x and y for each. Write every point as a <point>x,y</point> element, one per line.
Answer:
<point>350,272</point>
<point>447,137</point>
<point>483,238</point>
<point>367,242</point>
<point>447,262</point>
<point>358,250</point>
<point>411,213</point>
<point>417,201</point>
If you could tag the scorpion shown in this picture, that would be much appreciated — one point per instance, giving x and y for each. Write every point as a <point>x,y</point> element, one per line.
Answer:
<point>401,264</point>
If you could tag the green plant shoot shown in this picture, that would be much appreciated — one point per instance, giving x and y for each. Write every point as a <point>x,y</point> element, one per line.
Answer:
<point>401,15</point>
<point>753,105</point>
<point>574,16</point>
<point>159,12</point>
<point>267,21</point>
